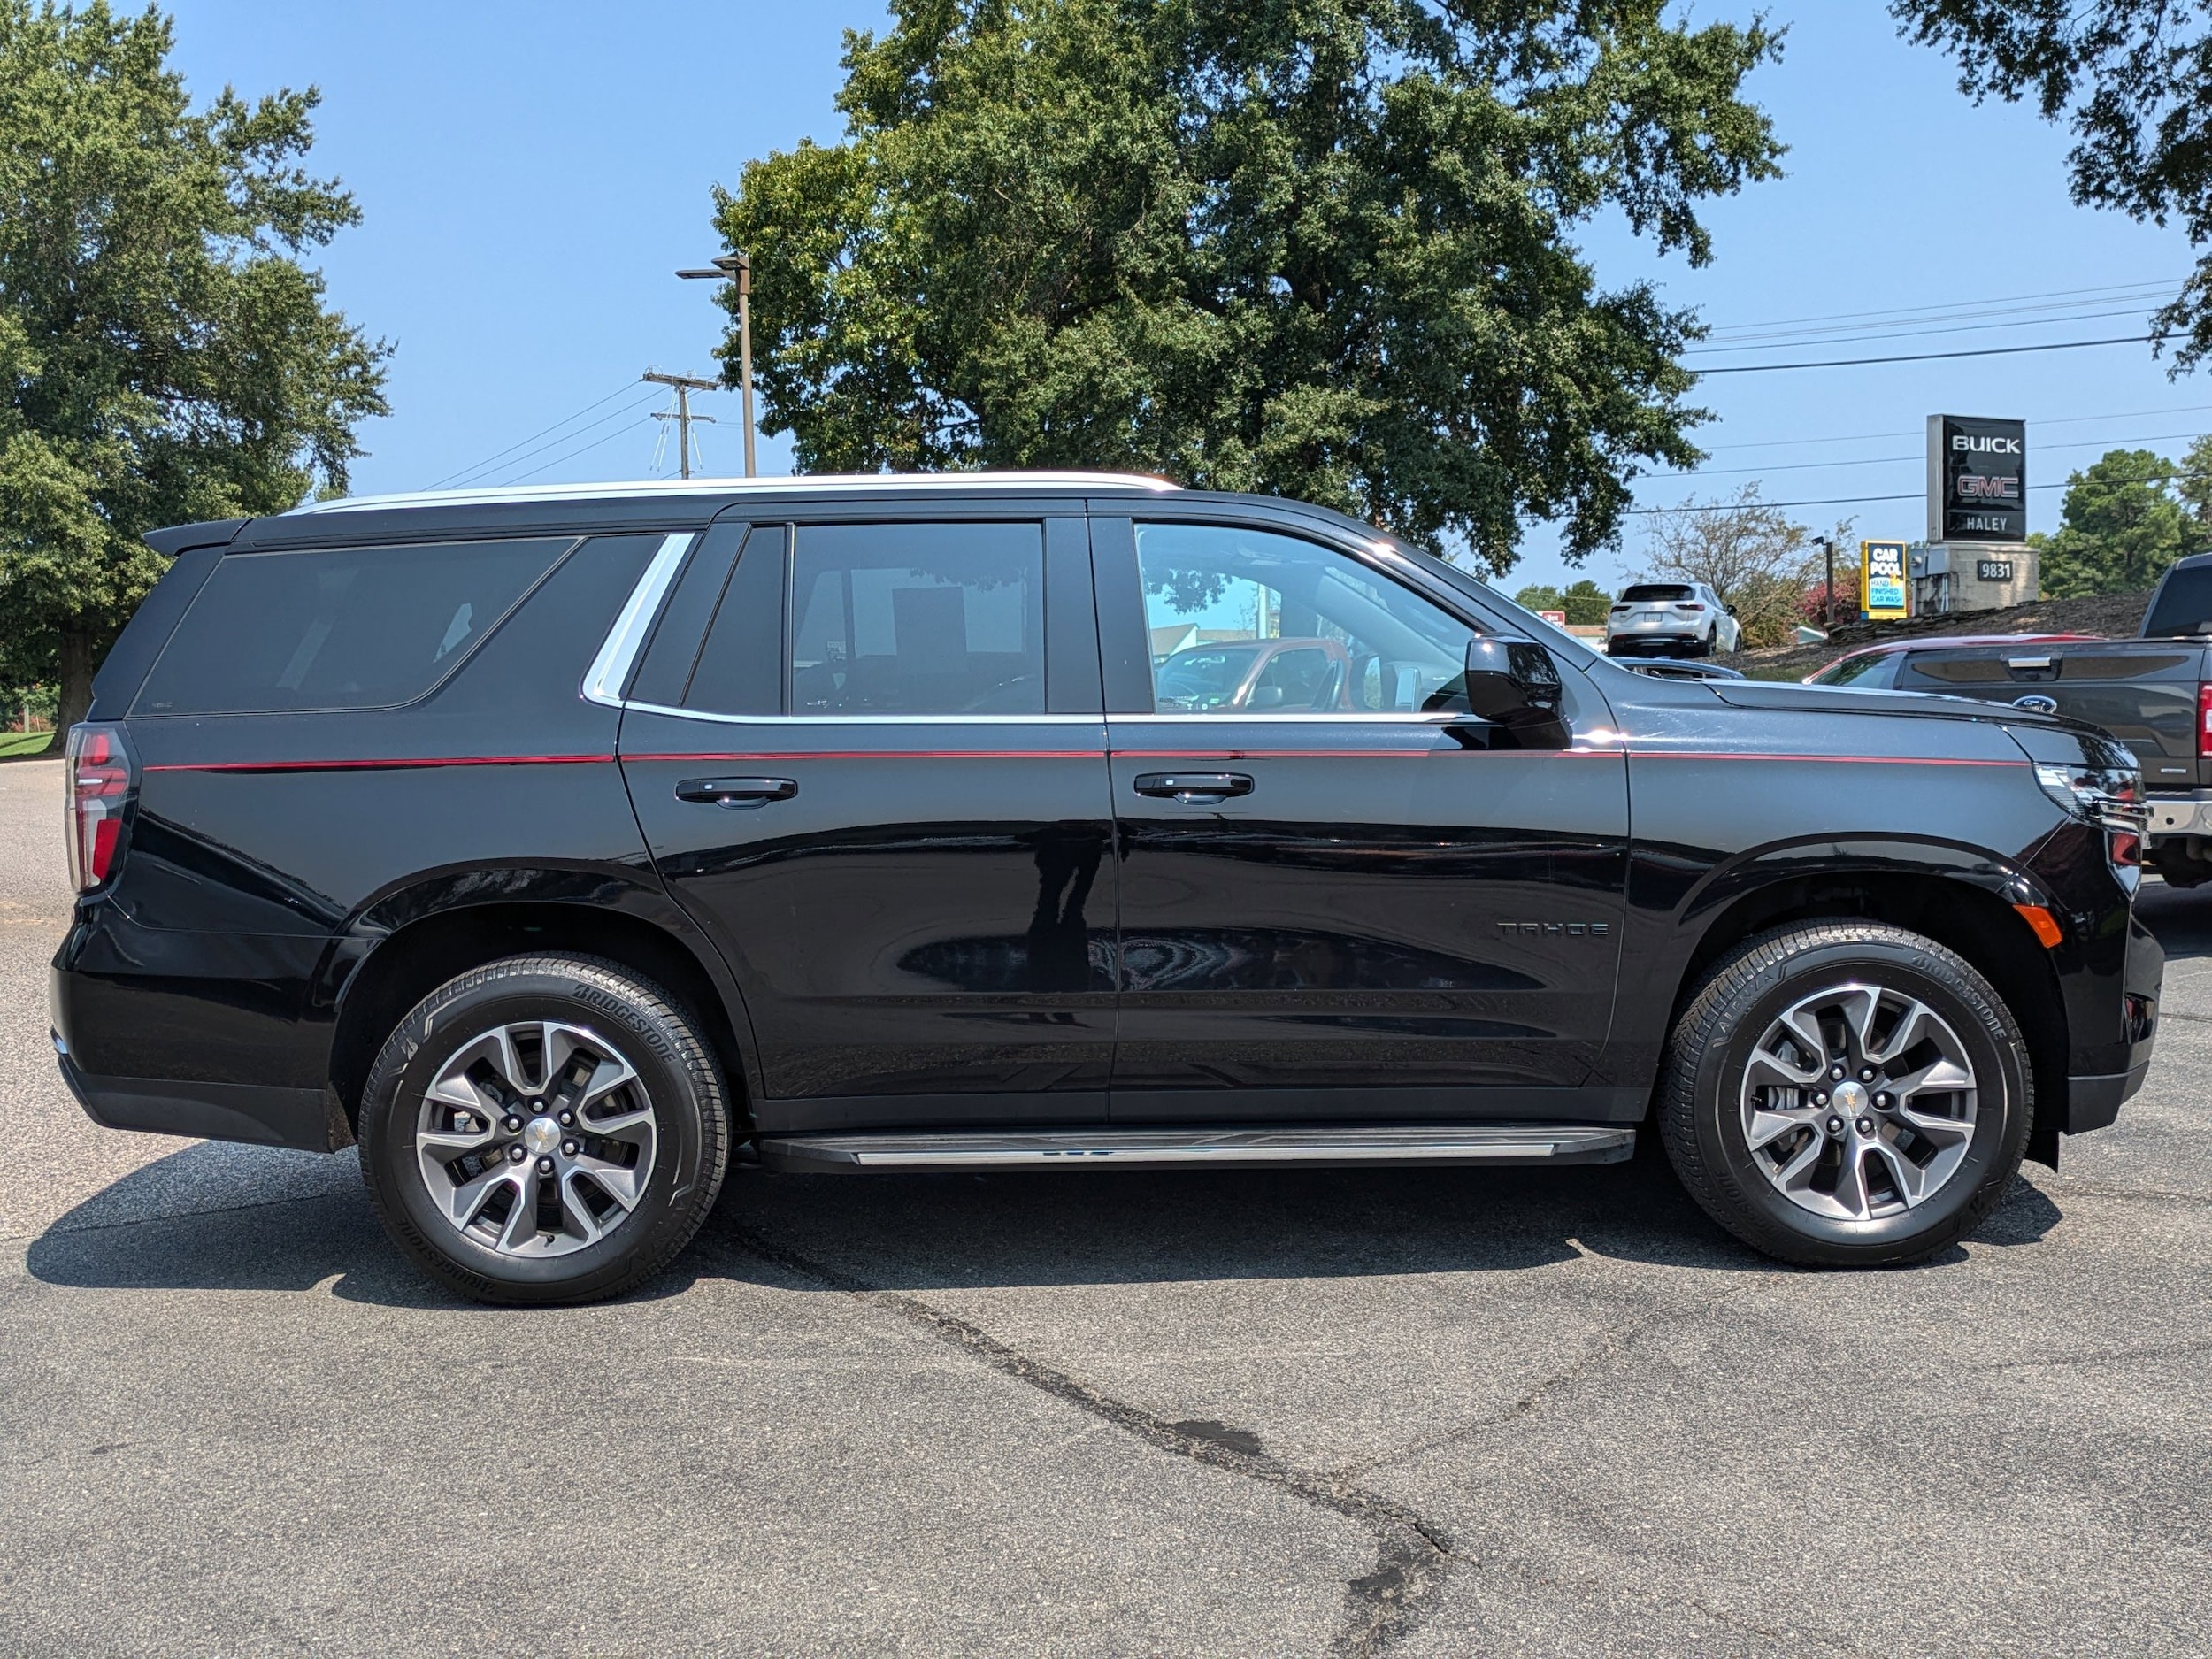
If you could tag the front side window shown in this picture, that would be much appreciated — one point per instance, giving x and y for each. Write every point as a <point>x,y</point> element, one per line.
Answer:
<point>918,618</point>
<point>1250,622</point>
<point>339,628</point>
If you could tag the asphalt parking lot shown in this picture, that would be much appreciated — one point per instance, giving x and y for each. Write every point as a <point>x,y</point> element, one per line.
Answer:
<point>1422,1412</point>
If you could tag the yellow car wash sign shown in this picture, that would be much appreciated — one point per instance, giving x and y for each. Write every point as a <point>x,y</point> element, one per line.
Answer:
<point>1882,581</point>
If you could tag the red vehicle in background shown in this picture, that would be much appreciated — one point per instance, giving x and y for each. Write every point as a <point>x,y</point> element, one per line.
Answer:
<point>1878,667</point>
<point>1276,675</point>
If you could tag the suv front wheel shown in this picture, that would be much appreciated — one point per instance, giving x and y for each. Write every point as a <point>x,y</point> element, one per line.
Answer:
<point>544,1129</point>
<point>1845,1093</point>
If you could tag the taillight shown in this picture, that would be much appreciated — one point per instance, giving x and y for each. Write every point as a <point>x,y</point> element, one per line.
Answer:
<point>101,776</point>
<point>2204,720</point>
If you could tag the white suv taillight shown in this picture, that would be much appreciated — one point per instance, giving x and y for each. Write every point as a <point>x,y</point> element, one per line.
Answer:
<point>101,778</point>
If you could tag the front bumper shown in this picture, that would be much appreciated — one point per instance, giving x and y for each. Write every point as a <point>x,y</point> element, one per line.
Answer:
<point>2095,1103</point>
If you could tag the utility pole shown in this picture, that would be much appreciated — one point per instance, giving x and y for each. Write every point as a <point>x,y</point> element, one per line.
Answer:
<point>684,385</point>
<point>738,267</point>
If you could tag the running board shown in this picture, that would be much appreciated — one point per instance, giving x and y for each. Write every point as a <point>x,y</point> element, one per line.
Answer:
<point>1212,1148</point>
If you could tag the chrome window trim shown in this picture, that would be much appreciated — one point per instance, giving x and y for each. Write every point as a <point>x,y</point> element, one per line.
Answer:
<point>1385,716</point>
<point>866,719</point>
<point>1133,484</point>
<point>609,670</point>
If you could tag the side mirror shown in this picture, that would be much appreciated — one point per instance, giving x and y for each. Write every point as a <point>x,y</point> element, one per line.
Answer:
<point>1267,697</point>
<point>1514,684</point>
<point>1731,610</point>
<point>1511,681</point>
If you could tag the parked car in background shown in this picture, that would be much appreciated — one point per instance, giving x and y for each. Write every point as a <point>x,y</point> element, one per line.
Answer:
<point>2153,692</point>
<point>553,844</point>
<point>1669,620</point>
<point>1885,666</point>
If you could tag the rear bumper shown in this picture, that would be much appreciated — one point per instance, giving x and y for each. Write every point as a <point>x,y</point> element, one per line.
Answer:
<point>2173,815</point>
<point>309,1119</point>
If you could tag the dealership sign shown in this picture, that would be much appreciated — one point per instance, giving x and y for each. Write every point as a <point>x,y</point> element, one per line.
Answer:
<point>1882,579</point>
<point>1978,480</point>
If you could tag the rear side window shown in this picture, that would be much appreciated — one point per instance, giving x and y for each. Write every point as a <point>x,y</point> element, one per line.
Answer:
<point>2183,607</point>
<point>1870,671</point>
<point>350,628</point>
<point>918,618</point>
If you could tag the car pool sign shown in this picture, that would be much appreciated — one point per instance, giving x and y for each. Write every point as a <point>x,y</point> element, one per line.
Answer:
<point>1882,579</point>
<point>1977,479</point>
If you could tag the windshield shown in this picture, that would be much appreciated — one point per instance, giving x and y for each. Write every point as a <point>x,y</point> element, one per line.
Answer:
<point>1202,678</point>
<point>2184,605</point>
<point>1516,618</point>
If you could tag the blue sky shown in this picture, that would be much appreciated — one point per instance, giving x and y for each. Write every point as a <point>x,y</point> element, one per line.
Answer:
<point>532,174</point>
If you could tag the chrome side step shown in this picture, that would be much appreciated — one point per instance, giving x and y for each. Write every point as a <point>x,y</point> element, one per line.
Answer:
<point>1323,1145</point>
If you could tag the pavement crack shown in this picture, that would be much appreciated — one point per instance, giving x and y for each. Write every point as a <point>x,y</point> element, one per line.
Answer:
<point>1412,1553</point>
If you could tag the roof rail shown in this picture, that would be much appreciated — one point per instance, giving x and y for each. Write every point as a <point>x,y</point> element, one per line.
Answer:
<point>856,483</point>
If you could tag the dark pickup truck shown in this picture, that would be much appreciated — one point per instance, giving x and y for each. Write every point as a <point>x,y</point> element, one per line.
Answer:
<point>2154,693</point>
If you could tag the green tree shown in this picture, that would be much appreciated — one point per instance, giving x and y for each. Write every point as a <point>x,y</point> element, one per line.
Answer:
<point>2194,487</point>
<point>2120,527</point>
<point>1584,603</point>
<point>164,356</point>
<point>1318,247</point>
<point>2132,79</point>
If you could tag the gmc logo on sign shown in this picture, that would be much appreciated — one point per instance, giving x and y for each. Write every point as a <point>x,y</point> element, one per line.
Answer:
<point>1974,486</point>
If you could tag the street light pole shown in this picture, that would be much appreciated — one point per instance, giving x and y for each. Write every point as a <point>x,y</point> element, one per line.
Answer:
<point>738,267</point>
<point>1829,548</point>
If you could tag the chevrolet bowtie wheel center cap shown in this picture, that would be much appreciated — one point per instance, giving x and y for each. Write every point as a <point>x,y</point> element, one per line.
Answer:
<point>542,1134</point>
<point>1850,1101</point>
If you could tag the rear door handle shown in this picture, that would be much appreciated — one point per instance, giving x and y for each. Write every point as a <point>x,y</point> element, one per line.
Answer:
<point>1193,786</point>
<point>736,791</point>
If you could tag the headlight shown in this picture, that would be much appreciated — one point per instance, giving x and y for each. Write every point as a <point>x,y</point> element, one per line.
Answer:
<point>2109,795</point>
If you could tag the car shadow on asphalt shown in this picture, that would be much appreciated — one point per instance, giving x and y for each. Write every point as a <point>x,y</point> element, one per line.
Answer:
<point>2181,917</point>
<point>1002,1231</point>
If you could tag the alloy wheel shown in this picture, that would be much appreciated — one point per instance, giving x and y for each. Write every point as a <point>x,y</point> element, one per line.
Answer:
<point>536,1139</point>
<point>1858,1101</point>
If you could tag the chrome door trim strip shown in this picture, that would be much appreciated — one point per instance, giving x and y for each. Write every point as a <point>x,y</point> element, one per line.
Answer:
<point>609,670</point>
<point>803,721</point>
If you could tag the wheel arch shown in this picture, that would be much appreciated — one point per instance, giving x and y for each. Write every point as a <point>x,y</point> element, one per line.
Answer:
<point>386,973</point>
<point>1963,900</point>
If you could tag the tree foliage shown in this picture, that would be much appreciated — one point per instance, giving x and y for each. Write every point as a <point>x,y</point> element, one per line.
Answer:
<point>1317,246</point>
<point>2132,79</point>
<point>1752,553</point>
<point>1584,603</point>
<point>163,355</point>
<point>2122,525</point>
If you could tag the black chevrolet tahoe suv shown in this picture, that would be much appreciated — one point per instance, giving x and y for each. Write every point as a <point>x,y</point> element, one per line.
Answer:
<point>557,847</point>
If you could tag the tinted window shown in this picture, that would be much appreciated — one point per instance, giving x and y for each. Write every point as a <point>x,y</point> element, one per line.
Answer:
<point>1655,593</point>
<point>2183,607</point>
<point>357,628</point>
<point>741,665</point>
<point>918,618</point>
<point>1336,637</point>
<point>1872,670</point>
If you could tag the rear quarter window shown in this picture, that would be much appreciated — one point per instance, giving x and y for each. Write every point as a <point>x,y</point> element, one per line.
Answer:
<point>339,629</point>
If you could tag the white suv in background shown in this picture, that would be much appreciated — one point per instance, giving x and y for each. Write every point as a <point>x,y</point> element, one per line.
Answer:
<point>1669,620</point>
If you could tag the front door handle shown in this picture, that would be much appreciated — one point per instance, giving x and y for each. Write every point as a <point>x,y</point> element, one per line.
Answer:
<point>1207,787</point>
<point>736,792</point>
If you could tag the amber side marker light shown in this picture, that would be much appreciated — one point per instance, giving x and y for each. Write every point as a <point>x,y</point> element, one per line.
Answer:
<point>2044,924</point>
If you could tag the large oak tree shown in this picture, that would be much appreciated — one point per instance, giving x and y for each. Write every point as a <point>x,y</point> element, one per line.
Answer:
<point>1318,247</point>
<point>163,354</point>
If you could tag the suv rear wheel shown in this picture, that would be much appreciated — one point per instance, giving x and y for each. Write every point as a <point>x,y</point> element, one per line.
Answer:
<point>544,1129</point>
<point>1845,1093</point>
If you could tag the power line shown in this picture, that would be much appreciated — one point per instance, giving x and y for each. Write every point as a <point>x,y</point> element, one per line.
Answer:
<point>1923,357</point>
<point>1892,460</point>
<point>1820,337</point>
<point>480,465</point>
<point>1909,310</point>
<point>1868,437</point>
<point>1857,501</point>
<point>547,466</point>
<point>630,408</point>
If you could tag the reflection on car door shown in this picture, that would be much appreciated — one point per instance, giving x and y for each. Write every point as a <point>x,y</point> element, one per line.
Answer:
<point>1361,905</point>
<point>876,780</point>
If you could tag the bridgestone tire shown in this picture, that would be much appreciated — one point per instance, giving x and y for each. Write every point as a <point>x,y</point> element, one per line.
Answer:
<point>674,1065</point>
<point>1701,1121</point>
